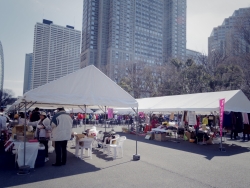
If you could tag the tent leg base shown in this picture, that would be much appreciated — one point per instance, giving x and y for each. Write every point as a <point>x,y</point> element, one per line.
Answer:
<point>136,157</point>
<point>24,170</point>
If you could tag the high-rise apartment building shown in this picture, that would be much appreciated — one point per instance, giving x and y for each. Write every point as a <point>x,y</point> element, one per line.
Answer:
<point>27,73</point>
<point>194,55</point>
<point>118,31</point>
<point>175,28</point>
<point>221,39</point>
<point>55,52</point>
<point>1,67</point>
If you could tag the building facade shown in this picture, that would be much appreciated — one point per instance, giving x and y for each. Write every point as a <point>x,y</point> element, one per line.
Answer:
<point>222,40</point>
<point>27,73</point>
<point>194,55</point>
<point>118,31</point>
<point>1,67</point>
<point>56,52</point>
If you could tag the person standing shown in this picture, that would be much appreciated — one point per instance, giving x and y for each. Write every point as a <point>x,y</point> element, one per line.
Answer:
<point>61,124</point>
<point>205,120</point>
<point>43,130</point>
<point>35,116</point>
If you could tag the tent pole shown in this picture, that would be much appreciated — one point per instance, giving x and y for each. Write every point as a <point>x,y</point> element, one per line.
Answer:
<point>136,157</point>
<point>25,169</point>
<point>85,118</point>
<point>178,119</point>
<point>105,119</point>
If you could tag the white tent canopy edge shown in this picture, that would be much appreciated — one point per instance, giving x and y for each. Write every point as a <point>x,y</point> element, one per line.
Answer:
<point>69,91</point>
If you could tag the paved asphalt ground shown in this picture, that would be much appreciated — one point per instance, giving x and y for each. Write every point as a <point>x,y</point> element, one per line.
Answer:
<point>162,164</point>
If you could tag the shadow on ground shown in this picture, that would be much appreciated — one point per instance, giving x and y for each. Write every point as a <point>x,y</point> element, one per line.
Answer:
<point>209,151</point>
<point>74,166</point>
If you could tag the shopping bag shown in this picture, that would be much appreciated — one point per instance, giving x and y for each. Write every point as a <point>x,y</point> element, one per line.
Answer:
<point>50,147</point>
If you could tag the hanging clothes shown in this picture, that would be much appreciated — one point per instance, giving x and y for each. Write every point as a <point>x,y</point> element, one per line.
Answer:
<point>239,122</point>
<point>245,118</point>
<point>191,118</point>
<point>227,120</point>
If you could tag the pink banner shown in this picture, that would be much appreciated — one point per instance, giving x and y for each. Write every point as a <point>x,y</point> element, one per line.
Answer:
<point>222,103</point>
<point>110,113</point>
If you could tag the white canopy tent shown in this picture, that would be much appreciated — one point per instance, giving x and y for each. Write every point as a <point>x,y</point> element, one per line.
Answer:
<point>235,100</point>
<point>145,104</point>
<point>78,110</point>
<point>87,86</point>
<point>120,111</point>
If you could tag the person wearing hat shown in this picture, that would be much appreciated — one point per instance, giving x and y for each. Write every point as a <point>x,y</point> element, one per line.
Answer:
<point>43,131</point>
<point>61,124</point>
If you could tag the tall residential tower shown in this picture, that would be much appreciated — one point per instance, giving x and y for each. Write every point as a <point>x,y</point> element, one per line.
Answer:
<point>1,67</point>
<point>56,52</point>
<point>119,31</point>
<point>27,73</point>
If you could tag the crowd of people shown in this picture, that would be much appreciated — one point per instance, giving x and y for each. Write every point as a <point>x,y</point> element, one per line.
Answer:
<point>57,128</point>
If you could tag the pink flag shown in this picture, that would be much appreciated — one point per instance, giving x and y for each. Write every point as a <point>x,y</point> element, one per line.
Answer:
<point>222,103</point>
<point>110,113</point>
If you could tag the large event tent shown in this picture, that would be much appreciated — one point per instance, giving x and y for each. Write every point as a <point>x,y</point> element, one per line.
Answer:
<point>235,100</point>
<point>87,86</point>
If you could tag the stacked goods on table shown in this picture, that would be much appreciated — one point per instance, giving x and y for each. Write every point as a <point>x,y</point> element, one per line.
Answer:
<point>202,137</point>
<point>18,130</point>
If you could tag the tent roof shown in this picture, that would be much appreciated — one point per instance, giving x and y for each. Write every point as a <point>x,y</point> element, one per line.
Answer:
<point>87,86</point>
<point>235,100</point>
<point>145,104</point>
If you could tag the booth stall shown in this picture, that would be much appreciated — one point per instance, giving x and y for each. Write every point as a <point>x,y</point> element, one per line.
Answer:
<point>99,91</point>
<point>191,106</point>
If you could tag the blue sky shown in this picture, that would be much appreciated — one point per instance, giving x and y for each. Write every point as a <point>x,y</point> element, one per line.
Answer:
<point>18,18</point>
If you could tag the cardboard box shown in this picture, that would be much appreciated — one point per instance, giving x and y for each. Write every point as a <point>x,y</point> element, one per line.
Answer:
<point>160,137</point>
<point>20,129</point>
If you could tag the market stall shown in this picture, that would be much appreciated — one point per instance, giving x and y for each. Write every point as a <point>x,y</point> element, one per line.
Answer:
<point>99,91</point>
<point>193,106</point>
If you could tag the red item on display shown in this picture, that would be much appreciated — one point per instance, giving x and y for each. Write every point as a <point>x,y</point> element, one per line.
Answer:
<point>34,140</point>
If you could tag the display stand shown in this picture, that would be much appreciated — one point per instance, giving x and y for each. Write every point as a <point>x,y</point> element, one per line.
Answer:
<point>25,169</point>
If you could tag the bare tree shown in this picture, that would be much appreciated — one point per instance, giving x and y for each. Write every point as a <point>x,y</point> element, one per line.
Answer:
<point>7,97</point>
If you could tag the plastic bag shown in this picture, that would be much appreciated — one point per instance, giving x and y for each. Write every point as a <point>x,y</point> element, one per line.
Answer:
<point>50,147</point>
<point>240,134</point>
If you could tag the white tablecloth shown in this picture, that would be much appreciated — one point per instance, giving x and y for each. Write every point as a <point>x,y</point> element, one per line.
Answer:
<point>31,153</point>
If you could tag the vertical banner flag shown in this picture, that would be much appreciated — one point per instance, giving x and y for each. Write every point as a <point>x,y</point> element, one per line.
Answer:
<point>110,113</point>
<point>222,103</point>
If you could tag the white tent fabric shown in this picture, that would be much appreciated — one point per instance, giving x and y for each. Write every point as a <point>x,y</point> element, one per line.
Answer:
<point>235,100</point>
<point>87,86</point>
<point>76,110</point>
<point>124,111</point>
<point>145,104</point>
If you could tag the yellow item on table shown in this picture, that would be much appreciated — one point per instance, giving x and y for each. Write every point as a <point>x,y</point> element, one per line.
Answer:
<point>165,123</point>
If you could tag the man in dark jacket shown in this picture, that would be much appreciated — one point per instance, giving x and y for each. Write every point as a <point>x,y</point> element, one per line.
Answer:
<point>35,116</point>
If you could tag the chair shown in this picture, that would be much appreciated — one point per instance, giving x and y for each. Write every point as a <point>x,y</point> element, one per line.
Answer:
<point>106,147</point>
<point>119,145</point>
<point>99,139</point>
<point>87,144</point>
